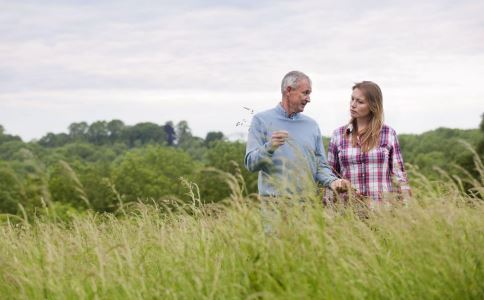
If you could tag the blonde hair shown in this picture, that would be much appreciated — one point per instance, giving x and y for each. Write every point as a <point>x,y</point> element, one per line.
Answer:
<point>370,137</point>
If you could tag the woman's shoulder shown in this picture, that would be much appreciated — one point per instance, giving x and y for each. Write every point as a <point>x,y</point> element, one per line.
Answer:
<point>339,135</point>
<point>341,130</point>
<point>388,135</point>
<point>388,130</point>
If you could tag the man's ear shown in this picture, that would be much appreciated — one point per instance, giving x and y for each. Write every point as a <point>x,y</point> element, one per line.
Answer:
<point>288,89</point>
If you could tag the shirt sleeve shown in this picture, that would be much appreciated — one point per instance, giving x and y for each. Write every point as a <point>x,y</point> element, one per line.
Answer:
<point>324,175</point>
<point>333,158</point>
<point>397,167</point>
<point>258,155</point>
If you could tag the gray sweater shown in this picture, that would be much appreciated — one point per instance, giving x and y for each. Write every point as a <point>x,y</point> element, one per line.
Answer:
<point>294,167</point>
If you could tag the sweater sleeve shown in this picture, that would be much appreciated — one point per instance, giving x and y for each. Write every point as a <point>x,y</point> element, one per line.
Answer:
<point>324,174</point>
<point>258,155</point>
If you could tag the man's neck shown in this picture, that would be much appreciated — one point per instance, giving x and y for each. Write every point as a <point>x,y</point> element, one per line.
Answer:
<point>285,106</point>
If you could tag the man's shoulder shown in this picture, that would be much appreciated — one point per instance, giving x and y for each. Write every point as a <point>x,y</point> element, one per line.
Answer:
<point>265,115</point>
<point>267,112</point>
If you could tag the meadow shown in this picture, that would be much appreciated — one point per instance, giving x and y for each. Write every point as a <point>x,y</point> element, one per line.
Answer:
<point>429,248</point>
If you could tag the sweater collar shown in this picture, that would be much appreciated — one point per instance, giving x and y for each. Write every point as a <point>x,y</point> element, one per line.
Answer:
<point>281,111</point>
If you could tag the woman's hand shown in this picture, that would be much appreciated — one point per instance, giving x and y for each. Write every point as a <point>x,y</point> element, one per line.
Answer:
<point>340,185</point>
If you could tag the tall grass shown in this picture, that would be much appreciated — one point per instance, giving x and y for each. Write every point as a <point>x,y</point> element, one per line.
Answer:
<point>432,248</point>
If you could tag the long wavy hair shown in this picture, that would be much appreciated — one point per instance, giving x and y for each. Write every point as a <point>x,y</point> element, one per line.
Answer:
<point>370,137</point>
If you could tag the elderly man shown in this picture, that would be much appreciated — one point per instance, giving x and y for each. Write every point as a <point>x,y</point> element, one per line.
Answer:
<point>286,147</point>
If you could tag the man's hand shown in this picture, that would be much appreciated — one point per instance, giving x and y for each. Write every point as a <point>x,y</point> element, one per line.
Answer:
<point>278,139</point>
<point>340,185</point>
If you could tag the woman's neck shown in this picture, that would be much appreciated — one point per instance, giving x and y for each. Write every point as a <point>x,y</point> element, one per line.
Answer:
<point>362,124</point>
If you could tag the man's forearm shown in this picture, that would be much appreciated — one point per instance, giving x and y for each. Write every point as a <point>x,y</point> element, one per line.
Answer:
<point>257,159</point>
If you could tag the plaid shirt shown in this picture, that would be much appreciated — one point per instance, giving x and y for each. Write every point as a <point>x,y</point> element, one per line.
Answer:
<point>370,173</point>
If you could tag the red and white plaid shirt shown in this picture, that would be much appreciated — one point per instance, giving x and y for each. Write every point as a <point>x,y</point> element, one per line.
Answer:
<point>370,173</point>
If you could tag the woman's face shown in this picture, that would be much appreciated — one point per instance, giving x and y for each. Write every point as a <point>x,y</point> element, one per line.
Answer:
<point>359,107</point>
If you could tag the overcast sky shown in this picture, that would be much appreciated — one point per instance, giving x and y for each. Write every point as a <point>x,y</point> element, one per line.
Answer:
<point>204,61</point>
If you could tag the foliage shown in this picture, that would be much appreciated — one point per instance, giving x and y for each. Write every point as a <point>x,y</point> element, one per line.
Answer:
<point>212,137</point>
<point>65,186</point>
<point>170,133</point>
<point>151,173</point>
<point>100,166</point>
<point>227,157</point>
<point>7,137</point>
<point>439,147</point>
<point>11,190</point>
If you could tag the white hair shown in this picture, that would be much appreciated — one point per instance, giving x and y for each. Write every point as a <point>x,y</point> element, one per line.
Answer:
<point>292,79</point>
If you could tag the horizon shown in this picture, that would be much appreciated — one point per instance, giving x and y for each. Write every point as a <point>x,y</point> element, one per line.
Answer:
<point>234,136</point>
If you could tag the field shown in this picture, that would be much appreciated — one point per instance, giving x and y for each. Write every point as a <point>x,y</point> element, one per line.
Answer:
<point>431,248</point>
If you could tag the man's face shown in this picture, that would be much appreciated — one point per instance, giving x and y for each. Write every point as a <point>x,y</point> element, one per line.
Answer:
<point>299,97</point>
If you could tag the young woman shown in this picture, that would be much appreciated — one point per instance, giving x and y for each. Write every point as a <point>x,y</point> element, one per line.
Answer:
<point>366,151</point>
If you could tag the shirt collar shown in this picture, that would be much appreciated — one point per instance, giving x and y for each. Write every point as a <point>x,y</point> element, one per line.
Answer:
<point>349,128</point>
<point>280,110</point>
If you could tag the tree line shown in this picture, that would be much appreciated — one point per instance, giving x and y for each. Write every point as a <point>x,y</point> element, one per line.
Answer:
<point>102,165</point>
<point>107,164</point>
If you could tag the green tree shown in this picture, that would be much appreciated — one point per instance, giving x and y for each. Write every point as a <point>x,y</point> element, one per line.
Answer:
<point>30,173</point>
<point>78,131</point>
<point>8,150</point>
<point>95,178</point>
<point>11,190</point>
<point>467,159</point>
<point>54,140</point>
<point>6,137</point>
<point>98,133</point>
<point>65,186</point>
<point>226,157</point>
<point>152,172</point>
<point>193,145</point>
<point>212,137</point>
<point>145,133</point>
<point>170,133</point>
<point>183,133</point>
<point>441,147</point>
<point>115,129</point>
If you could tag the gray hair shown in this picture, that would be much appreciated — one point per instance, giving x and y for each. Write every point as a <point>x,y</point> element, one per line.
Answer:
<point>292,79</point>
